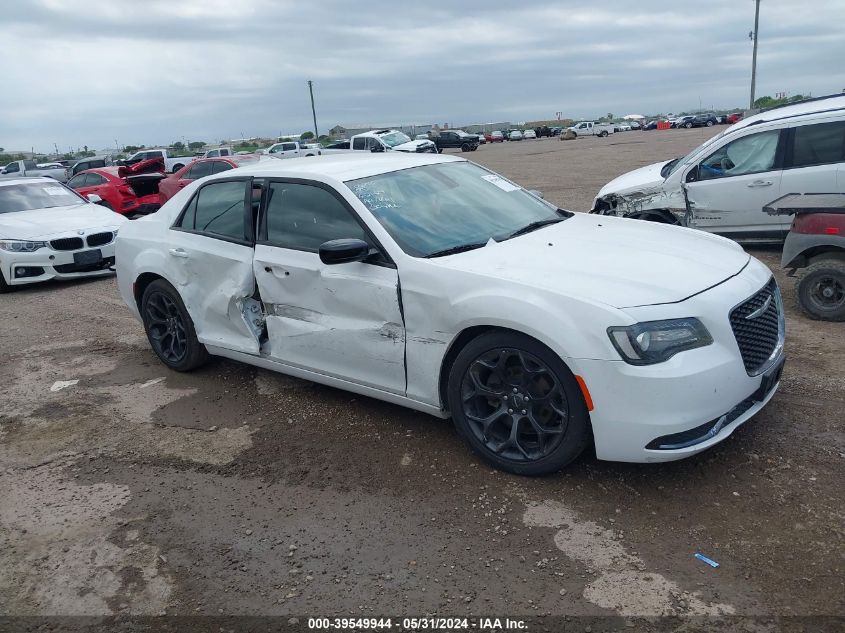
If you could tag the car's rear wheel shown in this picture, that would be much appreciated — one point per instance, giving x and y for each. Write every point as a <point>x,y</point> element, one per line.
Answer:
<point>177,167</point>
<point>517,404</point>
<point>821,290</point>
<point>170,329</point>
<point>603,133</point>
<point>710,124</point>
<point>465,147</point>
<point>688,125</point>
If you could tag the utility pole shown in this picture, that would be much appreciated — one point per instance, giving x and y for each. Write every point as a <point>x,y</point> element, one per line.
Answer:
<point>313,111</point>
<point>754,54</point>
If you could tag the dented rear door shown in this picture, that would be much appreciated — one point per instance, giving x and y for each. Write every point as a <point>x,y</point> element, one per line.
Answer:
<point>342,320</point>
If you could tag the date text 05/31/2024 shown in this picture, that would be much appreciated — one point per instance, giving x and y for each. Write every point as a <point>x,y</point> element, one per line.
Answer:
<point>416,624</point>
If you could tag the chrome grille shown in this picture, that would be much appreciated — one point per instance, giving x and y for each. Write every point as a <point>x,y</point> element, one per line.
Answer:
<point>757,324</point>
<point>67,243</point>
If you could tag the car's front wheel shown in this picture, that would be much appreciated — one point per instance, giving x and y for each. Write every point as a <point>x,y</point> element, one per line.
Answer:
<point>170,329</point>
<point>517,404</point>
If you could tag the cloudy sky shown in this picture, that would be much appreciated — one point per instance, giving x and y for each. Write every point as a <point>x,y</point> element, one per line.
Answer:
<point>148,72</point>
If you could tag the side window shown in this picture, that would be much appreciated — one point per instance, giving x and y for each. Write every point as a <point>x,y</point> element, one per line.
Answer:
<point>289,146</point>
<point>820,144</point>
<point>302,217</point>
<point>747,155</point>
<point>359,143</point>
<point>218,210</point>
<point>200,170</point>
<point>213,153</point>
<point>94,180</point>
<point>220,165</point>
<point>77,181</point>
<point>12,168</point>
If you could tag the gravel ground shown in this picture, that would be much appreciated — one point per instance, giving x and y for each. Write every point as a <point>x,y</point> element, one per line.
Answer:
<point>233,490</point>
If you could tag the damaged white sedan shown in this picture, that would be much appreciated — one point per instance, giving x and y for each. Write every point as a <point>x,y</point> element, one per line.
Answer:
<point>431,282</point>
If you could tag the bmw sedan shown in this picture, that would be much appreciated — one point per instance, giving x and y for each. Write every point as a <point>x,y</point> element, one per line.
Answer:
<point>48,231</point>
<point>431,282</point>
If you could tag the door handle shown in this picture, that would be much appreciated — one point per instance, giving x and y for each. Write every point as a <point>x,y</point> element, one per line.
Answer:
<point>760,183</point>
<point>178,252</point>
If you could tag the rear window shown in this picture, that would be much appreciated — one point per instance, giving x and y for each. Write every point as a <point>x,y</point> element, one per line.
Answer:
<point>819,144</point>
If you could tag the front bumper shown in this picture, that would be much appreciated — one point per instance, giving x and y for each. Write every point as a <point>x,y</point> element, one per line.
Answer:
<point>19,269</point>
<point>697,398</point>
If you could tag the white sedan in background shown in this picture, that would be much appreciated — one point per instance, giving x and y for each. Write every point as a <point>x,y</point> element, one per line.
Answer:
<point>433,283</point>
<point>48,231</point>
<point>529,134</point>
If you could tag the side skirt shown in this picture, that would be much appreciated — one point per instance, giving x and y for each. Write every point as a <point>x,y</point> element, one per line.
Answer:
<point>330,381</point>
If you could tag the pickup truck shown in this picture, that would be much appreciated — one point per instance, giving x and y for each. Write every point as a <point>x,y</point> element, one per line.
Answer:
<point>591,128</point>
<point>18,168</point>
<point>171,163</point>
<point>292,149</point>
<point>382,141</point>
<point>456,139</point>
<point>217,152</point>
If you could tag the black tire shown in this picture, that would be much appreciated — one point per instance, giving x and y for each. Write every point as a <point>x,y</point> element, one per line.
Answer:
<point>520,368</point>
<point>465,147</point>
<point>439,150</point>
<point>821,290</point>
<point>177,167</point>
<point>710,124</point>
<point>603,133</point>
<point>688,125</point>
<point>4,287</point>
<point>105,204</point>
<point>168,325</point>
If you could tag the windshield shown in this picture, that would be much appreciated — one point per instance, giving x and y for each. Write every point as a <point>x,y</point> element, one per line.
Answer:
<point>436,208</point>
<point>680,162</point>
<point>36,195</point>
<point>395,138</point>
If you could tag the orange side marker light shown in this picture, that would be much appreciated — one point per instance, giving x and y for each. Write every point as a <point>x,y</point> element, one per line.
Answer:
<point>585,392</point>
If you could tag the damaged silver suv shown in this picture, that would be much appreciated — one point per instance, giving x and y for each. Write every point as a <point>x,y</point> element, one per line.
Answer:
<point>722,185</point>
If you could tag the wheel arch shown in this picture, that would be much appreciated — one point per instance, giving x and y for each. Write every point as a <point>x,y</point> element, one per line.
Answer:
<point>141,283</point>
<point>663,216</point>
<point>469,334</point>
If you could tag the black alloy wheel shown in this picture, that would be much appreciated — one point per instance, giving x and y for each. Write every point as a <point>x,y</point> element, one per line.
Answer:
<point>170,329</point>
<point>517,404</point>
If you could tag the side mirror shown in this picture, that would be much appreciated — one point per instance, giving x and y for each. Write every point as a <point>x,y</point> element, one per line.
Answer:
<point>343,251</point>
<point>93,197</point>
<point>536,192</point>
<point>377,148</point>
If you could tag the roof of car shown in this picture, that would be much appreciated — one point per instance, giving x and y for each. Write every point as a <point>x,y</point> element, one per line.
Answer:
<point>27,179</point>
<point>345,167</point>
<point>799,108</point>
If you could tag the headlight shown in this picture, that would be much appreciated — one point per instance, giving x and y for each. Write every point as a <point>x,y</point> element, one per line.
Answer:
<point>21,246</point>
<point>657,341</point>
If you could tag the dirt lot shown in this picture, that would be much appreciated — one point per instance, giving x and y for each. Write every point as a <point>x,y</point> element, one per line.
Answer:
<point>233,490</point>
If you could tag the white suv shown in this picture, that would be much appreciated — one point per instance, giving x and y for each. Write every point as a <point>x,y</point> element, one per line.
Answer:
<point>722,185</point>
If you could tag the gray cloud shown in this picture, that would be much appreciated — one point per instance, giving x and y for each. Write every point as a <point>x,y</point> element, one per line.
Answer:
<point>155,71</point>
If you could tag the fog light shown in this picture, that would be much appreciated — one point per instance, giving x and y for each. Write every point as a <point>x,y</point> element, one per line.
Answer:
<point>28,271</point>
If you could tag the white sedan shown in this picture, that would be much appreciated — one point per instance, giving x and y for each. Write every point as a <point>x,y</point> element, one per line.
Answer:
<point>433,283</point>
<point>529,134</point>
<point>48,231</point>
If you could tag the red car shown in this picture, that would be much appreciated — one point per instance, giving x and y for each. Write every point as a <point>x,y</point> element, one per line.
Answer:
<point>733,118</point>
<point>130,191</point>
<point>171,185</point>
<point>494,137</point>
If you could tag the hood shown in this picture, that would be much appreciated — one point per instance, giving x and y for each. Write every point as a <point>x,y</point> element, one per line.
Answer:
<point>41,223</point>
<point>614,261</point>
<point>644,177</point>
<point>412,146</point>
